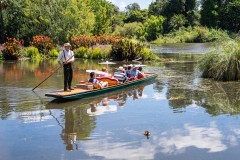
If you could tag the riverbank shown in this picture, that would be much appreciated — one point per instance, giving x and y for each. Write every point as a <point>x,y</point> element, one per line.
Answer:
<point>88,47</point>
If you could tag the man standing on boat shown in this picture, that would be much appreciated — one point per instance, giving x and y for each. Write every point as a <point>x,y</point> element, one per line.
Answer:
<point>65,59</point>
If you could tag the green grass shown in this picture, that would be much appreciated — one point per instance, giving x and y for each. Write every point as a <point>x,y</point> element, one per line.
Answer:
<point>223,62</point>
<point>197,34</point>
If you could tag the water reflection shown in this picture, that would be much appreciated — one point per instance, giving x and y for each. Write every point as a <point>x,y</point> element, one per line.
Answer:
<point>181,86</point>
<point>176,141</point>
<point>198,48</point>
<point>79,117</point>
<point>101,108</point>
<point>172,142</point>
<point>185,114</point>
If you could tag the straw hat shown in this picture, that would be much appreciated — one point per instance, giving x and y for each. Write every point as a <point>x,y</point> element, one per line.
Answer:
<point>67,44</point>
<point>104,69</point>
<point>120,68</point>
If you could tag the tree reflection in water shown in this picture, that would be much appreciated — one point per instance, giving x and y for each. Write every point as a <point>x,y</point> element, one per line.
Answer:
<point>186,90</point>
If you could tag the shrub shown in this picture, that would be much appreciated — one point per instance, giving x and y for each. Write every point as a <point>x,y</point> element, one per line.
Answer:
<point>107,52</point>
<point>128,30</point>
<point>97,53</point>
<point>12,49</point>
<point>151,29</point>
<point>82,41</point>
<point>81,52</point>
<point>222,63</point>
<point>53,53</point>
<point>126,49</point>
<point>31,52</point>
<point>89,41</point>
<point>148,55</point>
<point>43,43</point>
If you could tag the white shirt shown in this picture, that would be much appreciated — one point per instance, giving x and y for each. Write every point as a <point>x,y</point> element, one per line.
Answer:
<point>67,55</point>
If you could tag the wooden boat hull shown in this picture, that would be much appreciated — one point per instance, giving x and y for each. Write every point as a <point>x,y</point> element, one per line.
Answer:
<point>80,93</point>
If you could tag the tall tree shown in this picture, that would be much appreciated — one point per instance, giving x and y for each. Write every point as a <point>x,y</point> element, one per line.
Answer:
<point>137,16</point>
<point>210,13</point>
<point>3,5</point>
<point>132,7</point>
<point>151,29</point>
<point>104,12</point>
<point>173,10</point>
<point>229,16</point>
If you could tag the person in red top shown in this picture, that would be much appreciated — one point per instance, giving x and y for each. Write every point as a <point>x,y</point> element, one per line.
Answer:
<point>65,58</point>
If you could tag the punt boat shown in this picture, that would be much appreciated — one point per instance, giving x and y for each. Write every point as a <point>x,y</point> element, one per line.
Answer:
<point>85,89</point>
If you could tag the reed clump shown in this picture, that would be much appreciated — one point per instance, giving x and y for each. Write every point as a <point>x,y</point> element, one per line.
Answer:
<point>223,62</point>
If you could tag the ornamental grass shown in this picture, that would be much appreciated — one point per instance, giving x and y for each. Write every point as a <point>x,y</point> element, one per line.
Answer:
<point>222,63</point>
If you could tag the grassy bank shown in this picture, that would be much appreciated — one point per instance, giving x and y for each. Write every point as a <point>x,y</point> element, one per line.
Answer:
<point>223,62</point>
<point>196,34</point>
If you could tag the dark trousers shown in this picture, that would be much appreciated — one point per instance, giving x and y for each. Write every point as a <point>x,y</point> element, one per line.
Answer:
<point>68,74</point>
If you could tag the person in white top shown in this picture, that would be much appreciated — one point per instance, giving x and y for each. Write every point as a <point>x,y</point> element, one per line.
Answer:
<point>65,59</point>
<point>105,73</point>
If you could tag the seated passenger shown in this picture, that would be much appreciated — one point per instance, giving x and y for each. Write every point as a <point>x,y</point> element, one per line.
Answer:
<point>128,71</point>
<point>95,81</point>
<point>140,73</point>
<point>125,67</point>
<point>105,74</point>
<point>134,73</point>
<point>120,75</point>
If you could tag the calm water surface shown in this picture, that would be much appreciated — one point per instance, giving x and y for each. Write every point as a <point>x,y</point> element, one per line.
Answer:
<point>188,117</point>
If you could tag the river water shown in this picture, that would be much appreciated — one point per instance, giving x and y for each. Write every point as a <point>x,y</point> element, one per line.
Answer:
<point>188,117</point>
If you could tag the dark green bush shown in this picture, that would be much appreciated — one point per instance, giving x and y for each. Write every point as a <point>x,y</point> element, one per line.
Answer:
<point>126,49</point>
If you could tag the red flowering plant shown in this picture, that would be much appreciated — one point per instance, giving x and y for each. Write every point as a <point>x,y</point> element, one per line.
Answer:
<point>12,48</point>
<point>43,43</point>
<point>90,41</point>
<point>82,41</point>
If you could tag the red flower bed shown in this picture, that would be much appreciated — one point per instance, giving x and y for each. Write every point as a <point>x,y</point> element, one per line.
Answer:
<point>12,48</point>
<point>89,41</point>
<point>43,43</point>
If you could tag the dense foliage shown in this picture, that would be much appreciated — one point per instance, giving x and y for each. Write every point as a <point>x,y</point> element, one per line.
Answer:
<point>193,35</point>
<point>61,19</point>
<point>221,14</point>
